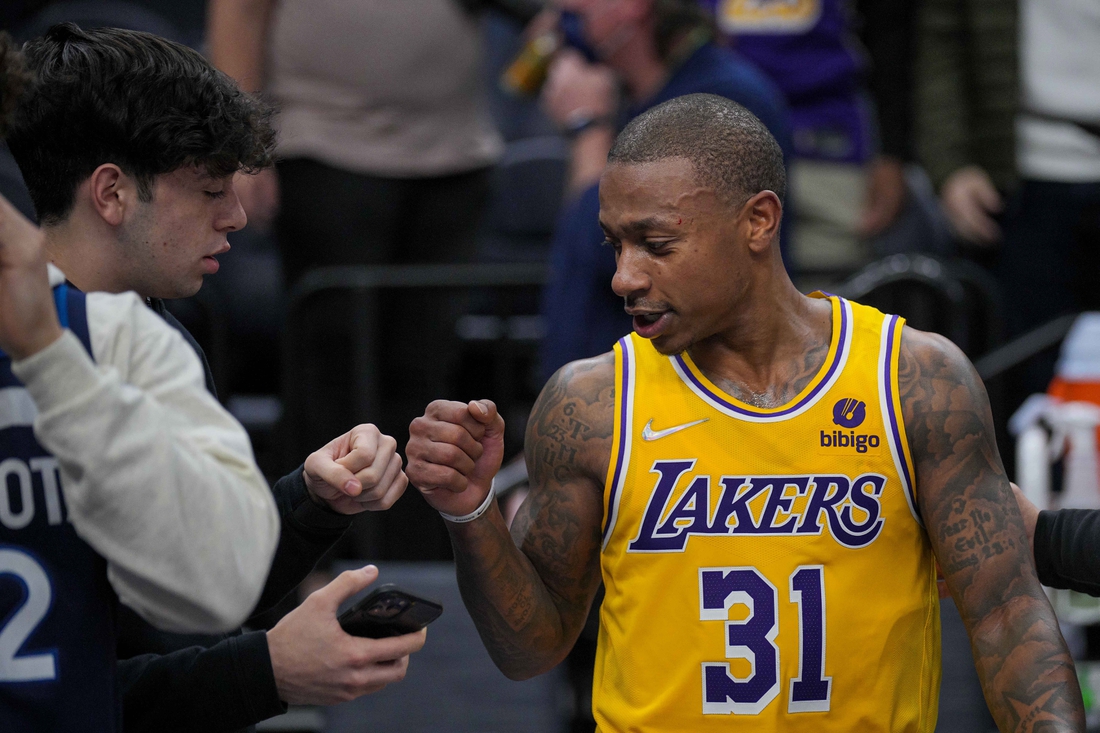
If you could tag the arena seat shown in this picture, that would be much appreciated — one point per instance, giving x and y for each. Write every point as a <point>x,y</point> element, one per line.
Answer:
<point>949,298</point>
<point>527,188</point>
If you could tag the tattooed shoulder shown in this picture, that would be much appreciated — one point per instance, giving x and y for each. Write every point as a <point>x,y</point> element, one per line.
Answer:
<point>943,400</point>
<point>569,432</point>
<point>963,491</point>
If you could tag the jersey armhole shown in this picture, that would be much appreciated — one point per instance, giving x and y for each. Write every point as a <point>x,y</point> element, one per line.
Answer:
<point>72,312</point>
<point>625,377</point>
<point>892,418</point>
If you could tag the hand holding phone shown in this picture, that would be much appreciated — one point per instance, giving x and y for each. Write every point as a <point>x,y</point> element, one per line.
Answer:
<point>389,611</point>
<point>316,662</point>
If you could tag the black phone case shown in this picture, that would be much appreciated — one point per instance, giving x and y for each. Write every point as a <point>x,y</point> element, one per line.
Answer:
<point>389,611</point>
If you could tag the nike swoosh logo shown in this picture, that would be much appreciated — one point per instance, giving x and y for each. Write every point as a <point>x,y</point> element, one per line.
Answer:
<point>648,433</point>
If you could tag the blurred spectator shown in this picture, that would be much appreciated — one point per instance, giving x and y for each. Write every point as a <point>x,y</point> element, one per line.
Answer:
<point>1018,171</point>
<point>656,50</point>
<point>386,145</point>
<point>847,175</point>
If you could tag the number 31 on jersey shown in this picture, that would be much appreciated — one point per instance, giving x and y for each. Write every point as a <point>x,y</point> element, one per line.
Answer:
<point>753,639</point>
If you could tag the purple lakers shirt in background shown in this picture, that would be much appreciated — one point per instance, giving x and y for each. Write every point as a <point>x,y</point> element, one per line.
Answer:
<point>809,50</point>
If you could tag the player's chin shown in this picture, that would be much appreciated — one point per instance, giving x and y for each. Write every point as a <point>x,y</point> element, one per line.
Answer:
<point>671,342</point>
<point>183,285</point>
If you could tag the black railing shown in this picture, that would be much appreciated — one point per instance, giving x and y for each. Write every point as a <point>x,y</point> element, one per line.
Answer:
<point>362,286</point>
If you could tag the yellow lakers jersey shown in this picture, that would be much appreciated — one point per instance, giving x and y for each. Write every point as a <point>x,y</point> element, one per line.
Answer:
<point>766,569</point>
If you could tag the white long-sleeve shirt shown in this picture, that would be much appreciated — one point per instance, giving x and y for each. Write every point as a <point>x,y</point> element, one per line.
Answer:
<point>157,477</point>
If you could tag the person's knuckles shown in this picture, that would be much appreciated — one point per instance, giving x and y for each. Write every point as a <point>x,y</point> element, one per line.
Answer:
<point>390,498</point>
<point>346,692</point>
<point>419,427</point>
<point>445,432</point>
<point>371,477</point>
<point>453,456</point>
<point>393,478</point>
<point>442,454</point>
<point>365,431</point>
<point>446,410</point>
<point>360,654</point>
<point>431,476</point>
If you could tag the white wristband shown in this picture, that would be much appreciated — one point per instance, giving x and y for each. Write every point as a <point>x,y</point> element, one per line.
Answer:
<point>476,512</point>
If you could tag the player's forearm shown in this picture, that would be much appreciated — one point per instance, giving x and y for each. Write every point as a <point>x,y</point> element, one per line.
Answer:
<point>514,612</point>
<point>978,535</point>
<point>1028,675</point>
<point>237,36</point>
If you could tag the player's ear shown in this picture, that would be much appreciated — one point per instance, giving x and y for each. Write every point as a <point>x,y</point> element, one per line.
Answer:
<point>112,193</point>
<point>763,213</point>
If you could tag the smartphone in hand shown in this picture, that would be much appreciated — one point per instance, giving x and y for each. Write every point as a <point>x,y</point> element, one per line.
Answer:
<point>389,611</point>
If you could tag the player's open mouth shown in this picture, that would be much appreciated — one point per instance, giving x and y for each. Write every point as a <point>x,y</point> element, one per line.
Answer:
<point>210,264</point>
<point>649,325</point>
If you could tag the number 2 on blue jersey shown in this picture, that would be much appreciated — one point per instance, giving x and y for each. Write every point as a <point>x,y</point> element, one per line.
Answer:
<point>753,639</point>
<point>19,626</point>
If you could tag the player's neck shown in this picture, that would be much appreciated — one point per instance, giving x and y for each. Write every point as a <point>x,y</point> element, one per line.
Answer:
<point>86,255</point>
<point>777,337</point>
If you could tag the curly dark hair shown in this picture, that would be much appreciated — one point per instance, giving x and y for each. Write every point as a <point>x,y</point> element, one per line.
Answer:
<point>139,101</point>
<point>14,78</point>
<point>729,147</point>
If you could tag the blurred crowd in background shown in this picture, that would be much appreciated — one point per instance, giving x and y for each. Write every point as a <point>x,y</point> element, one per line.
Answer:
<point>430,229</point>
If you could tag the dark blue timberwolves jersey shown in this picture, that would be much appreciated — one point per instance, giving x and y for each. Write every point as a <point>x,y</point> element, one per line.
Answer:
<point>57,610</point>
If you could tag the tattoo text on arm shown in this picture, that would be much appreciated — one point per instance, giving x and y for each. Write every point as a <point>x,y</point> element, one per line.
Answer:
<point>530,605</point>
<point>978,535</point>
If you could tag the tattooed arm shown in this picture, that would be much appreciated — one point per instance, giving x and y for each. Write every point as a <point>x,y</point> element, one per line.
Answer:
<point>528,593</point>
<point>978,536</point>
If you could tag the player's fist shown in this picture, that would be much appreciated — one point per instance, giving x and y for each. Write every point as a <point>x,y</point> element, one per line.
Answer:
<point>359,471</point>
<point>454,452</point>
<point>28,317</point>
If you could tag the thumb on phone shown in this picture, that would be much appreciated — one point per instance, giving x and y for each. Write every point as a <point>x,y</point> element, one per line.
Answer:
<point>346,584</point>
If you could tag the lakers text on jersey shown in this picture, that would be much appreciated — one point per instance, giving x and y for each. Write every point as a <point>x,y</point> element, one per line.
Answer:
<point>766,568</point>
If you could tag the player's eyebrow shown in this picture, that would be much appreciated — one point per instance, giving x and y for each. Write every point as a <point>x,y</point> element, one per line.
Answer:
<point>640,226</point>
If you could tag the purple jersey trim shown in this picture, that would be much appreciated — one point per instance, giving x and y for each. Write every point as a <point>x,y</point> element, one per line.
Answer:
<point>624,434</point>
<point>888,383</point>
<point>838,357</point>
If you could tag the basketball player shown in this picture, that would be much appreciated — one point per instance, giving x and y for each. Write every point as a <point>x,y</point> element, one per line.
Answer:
<point>764,482</point>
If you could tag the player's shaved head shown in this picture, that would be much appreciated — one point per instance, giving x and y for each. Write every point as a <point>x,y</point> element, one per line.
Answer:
<point>730,149</point>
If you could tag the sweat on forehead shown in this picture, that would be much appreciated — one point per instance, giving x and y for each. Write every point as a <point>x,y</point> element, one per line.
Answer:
<point>727,145</point>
